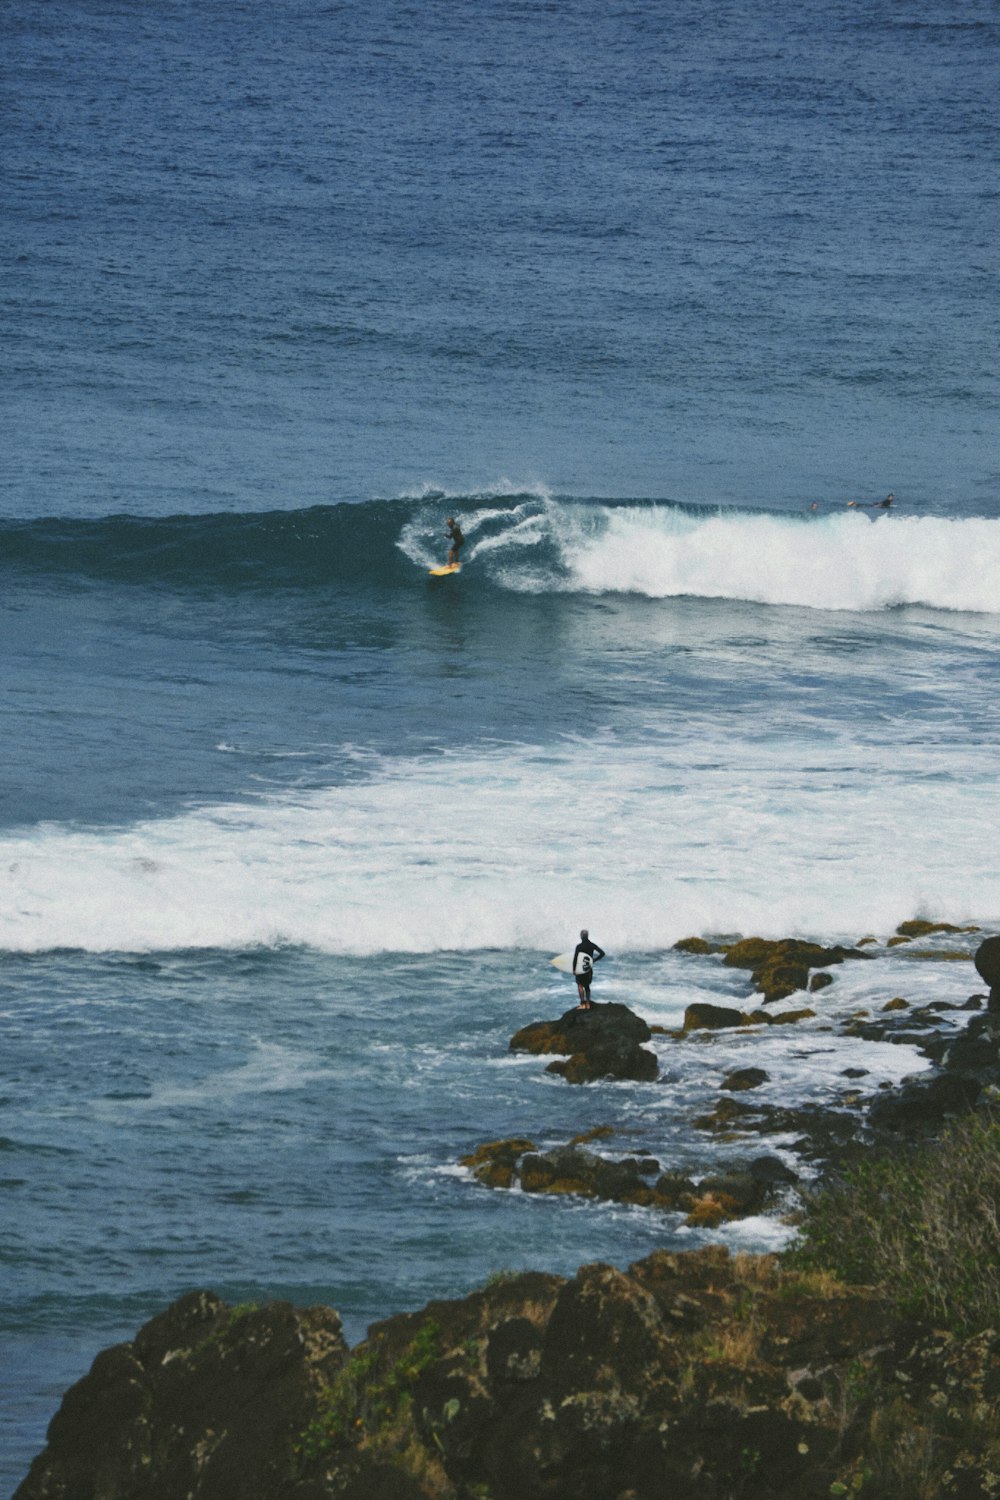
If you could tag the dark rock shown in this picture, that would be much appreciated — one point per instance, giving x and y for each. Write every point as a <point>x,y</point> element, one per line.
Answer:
<point>723,1116</point>
<point>820,982</point>
<point>779,968</point>
<point>704,1017</point>
<point>976,1050</point>
<point>789,1017</point>
<point>694,1376</point>
<point>495,1162</point>
<point>987,961</point>
<point>570,1169</point>
<point>698,945</point>
<point>631,1064</point>
<point>573,1170</point>
<point>603,1042</point>
<point>771,1170</point>
<point>742,1192</point>
<point>207,1400</point>
<point>578,1030</point>
<point>920,1107</point>
<point>744,1078</point>
<point>674,1190</point>
<point>919,927</point>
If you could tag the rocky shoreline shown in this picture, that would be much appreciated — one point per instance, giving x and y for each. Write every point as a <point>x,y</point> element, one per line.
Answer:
<point>607,1042</point>
<point>690,1375</point>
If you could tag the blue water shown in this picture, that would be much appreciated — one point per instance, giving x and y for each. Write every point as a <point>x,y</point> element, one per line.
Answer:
<point>287,830</point>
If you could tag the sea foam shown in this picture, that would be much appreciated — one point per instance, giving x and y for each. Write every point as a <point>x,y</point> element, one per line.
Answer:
<point>466,852</point>
<point>844,561</point>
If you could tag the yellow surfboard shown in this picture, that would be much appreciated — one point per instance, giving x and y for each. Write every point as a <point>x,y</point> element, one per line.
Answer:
<point>443,572</point>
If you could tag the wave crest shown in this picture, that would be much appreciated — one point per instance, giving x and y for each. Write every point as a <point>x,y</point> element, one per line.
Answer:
<point>531,542</point>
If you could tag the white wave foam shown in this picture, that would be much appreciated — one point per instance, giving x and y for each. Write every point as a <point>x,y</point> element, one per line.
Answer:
<point>845,561</point>
<point>471,852</point>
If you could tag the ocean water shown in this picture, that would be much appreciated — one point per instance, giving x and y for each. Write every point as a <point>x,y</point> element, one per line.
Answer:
<point>643,295</point>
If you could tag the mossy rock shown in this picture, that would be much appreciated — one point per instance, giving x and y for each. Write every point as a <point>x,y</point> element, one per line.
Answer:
<point>789,1017</point>
<point>705,1017</point>
<point>918,927</point>
<point>494,1164</point>
<point>897,1004</point>
<point>694,945</point>
<point>597,1133</point>
<point>942,955</point>
<point>725,1114</point>
<point>712,1209</point>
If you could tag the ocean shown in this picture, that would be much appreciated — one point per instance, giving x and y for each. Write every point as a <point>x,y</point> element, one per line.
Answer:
<point>643,295</point>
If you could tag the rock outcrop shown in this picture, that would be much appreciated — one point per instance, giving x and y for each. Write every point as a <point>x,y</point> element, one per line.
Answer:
<point>603,1042</point>
<point>779,968</point>
<point>699,1377</point>
<point>207,1400</point>
<point>987,961</point>
<point>733,1194</point>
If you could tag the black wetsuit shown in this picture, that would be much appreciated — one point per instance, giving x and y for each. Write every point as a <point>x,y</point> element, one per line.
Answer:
<point>585,955</point>
<point>457,539</point>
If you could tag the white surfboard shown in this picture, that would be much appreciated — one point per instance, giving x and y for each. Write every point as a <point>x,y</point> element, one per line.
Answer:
<point>563,961</point>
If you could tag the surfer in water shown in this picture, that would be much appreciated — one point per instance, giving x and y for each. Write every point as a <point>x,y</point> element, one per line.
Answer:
<point>885,504</point>
<point>585,956</point>
<point>457,541</point>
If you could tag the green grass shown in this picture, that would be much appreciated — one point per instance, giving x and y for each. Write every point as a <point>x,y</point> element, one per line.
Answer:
<point>923,1224</point>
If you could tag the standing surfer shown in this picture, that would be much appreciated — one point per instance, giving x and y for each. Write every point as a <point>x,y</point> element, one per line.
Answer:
<point>585,956</point>
<point>457,541</point>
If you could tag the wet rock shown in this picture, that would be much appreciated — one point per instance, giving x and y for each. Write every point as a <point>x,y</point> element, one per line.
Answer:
<point>603,1042</point>
<point>771,1171</point>
<point>577,1029</point>
<point>820,981</point>
<point>987,961</point>
<point>705,1017</point>
<point>675,1190</point>
<point>742,1192</point>
<point>919,927</point>
<point>698,945</point>
<point>976,1051</point>
<point>628,1063</point>
<point>494,1163</point>
<point>724,1116</point>
<point>779,968</point>
<point>570,1169</point>
<point>745,1078</point>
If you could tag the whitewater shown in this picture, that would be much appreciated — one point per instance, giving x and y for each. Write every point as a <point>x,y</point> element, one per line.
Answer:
<point>773,818</point>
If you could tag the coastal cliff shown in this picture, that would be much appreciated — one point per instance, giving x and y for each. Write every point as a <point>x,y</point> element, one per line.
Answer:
<point>698,1376</point>
<point>695,1375</point>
